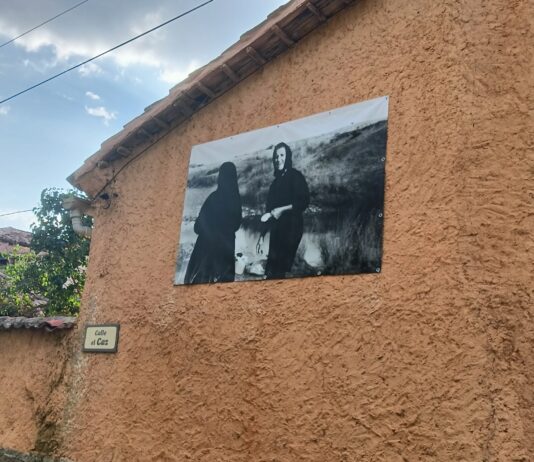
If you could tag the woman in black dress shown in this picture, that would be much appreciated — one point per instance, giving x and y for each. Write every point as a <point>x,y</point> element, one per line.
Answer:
<point>288,198</point>
<point>213,258</point>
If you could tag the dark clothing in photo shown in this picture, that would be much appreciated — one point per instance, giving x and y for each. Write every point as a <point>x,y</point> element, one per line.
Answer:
<point>213,257</point>
<point>288,188</point>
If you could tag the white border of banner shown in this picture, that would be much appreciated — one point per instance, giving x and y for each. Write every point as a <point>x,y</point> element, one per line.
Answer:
<point>364,113</point>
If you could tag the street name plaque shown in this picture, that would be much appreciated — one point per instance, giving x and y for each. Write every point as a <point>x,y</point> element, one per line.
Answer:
<point>101,338</point>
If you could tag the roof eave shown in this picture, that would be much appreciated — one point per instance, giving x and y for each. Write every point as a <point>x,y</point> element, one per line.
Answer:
<point>280,31</point>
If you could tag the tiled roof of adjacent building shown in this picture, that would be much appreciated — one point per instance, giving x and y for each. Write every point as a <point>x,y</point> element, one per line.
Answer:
<point>48,324</point>
<point>14,236</point>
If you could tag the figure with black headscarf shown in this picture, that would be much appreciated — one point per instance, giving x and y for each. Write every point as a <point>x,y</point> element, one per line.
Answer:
<point>213,258</point>
<point>287,199</point>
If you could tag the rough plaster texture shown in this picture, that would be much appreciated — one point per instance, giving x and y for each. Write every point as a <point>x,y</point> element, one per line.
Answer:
<point>432,359</point>
<point>32,373</point>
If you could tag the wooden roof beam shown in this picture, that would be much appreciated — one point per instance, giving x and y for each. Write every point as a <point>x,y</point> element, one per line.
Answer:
<point>186,99</point>
<point>185,110</point>
<point>282,35</point>
<point>145,134</point>
<point>124,152</point>
<point>255,56</point>
<point>230,73</point>
<point>207,91</point>
<point>183,103</point>
<point>161,123</point>
<point>318,13</point>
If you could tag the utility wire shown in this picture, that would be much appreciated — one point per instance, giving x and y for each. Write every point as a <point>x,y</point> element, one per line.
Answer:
<point>43,23</point>
<point>107,51</point>
<point>14,213</point>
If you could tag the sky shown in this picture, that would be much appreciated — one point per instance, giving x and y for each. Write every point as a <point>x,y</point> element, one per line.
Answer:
<point>47,133</point>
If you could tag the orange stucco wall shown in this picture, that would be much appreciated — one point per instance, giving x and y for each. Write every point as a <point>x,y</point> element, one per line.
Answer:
<point>32,390</point>
<point>432,359</point>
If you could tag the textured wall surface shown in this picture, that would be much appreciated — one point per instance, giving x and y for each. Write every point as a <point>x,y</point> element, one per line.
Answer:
<point>432,359</point>
<point>32,373</point>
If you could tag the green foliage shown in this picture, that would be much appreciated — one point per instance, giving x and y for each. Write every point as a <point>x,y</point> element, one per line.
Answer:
<point>55,269</point>
<point>16,290</point>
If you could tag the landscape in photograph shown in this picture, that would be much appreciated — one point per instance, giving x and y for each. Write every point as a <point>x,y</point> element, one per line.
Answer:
<point>343,222</point>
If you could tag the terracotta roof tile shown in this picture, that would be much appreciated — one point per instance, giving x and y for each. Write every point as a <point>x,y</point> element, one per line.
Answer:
<point>15,236</point>
<point>48,324</point>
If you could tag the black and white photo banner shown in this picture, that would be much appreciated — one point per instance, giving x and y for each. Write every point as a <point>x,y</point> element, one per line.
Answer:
<point>303,198</point>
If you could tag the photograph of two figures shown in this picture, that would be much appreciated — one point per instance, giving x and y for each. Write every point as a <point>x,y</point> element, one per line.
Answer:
<point>303,198</point>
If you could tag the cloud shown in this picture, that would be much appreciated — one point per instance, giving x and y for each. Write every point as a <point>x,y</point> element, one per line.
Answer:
<point>33,66</point>
<point>89,31</point>
<point>101,111</point>
<point>90,69</point>
<point>4,110</point>
<point>92,95</point>
<point>174,75</point>
<point>65,96</point>
<point>93,28</point>
<point>41,66</point>
<point>19,220</point>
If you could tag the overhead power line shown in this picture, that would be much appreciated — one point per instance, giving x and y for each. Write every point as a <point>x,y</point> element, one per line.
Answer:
<point>107,51</point>
<point>14,213</point>
<point>43,23</point>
